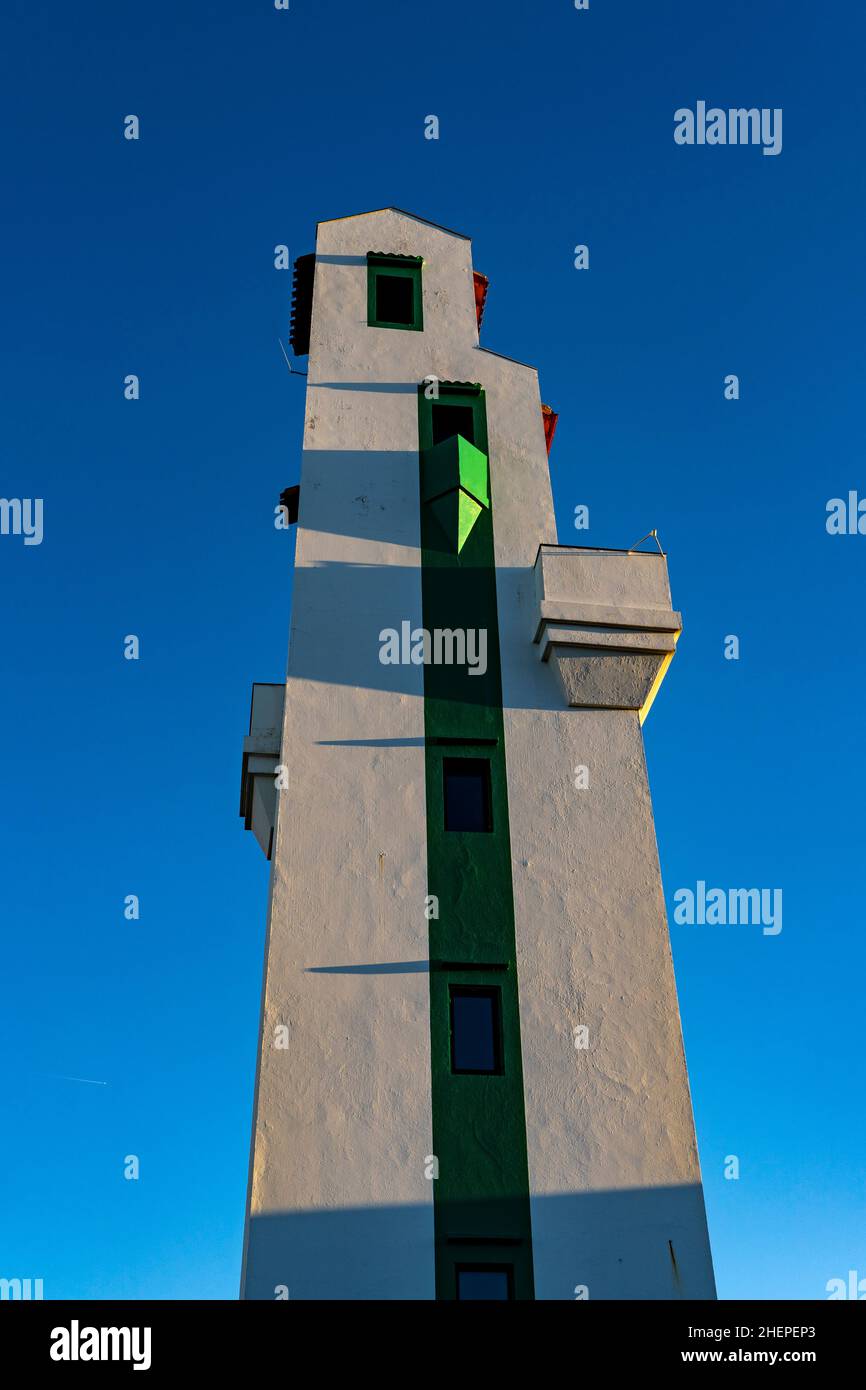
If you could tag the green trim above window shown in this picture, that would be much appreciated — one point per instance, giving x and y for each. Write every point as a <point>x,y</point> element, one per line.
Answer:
<point>394,297</point>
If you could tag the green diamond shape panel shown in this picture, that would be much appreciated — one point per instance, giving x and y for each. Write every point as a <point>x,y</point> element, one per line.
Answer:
<point>454,485</point>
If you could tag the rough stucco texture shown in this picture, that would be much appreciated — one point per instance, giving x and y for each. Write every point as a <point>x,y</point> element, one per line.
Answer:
<point>339,1203</point>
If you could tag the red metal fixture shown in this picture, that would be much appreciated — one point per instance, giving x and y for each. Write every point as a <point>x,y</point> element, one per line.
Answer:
<point>550,418</point>
<point>481,286</point>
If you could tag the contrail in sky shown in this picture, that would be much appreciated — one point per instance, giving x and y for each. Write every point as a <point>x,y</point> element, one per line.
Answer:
<point>85,1080</point>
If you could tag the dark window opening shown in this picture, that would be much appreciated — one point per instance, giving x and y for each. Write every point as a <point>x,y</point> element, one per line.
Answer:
<point>466,784</point>
<point>476,1029</point>
<point>486,1282</point>
<point>395,298</point>
<point>449,420</point>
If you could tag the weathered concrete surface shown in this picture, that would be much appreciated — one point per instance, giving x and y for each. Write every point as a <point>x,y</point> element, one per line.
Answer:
<point>592,936</point>
<point>343,1115</point>
<point>593,679</point>
<point>618,578</point>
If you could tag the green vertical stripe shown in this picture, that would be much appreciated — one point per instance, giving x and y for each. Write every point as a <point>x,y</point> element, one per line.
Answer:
<point>479,1127</point>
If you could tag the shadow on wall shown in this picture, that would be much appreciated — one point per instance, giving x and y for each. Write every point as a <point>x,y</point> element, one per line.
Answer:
<point>381,599</point>
<point>636,1243</point>
<point>373,498</point>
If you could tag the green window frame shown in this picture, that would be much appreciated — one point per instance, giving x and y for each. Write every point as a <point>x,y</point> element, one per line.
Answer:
<point>465,393</point>
<point>394,267</point>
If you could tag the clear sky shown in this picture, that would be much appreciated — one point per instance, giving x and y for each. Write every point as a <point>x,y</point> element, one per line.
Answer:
<point>156,257</point>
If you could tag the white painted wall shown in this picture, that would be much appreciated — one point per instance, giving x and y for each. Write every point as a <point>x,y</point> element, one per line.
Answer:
<point>612,1154</point>
<point>339,1205</point>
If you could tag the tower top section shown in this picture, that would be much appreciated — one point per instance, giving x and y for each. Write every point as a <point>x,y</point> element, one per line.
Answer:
<point>401,212</point>
<point>383,270</point>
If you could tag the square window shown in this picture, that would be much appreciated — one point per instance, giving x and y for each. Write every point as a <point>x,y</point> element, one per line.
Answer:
<point>394,291</point>
<point>449,420</point>
<point>476,1029</point>
<point>485,1282</point>
<point>466,784</point>
<point>394,298</point>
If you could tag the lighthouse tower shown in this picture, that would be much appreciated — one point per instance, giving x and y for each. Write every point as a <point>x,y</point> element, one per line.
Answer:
<point>471,1081</point>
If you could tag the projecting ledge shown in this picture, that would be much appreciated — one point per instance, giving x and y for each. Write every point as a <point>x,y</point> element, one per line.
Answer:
<point>261,758</point>
<point>604,621</point>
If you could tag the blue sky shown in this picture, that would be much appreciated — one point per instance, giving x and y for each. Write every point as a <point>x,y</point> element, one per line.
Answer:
<point>156,257</point>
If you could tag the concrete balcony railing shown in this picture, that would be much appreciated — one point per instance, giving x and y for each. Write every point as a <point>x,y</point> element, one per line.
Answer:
<point>260,761</point>
<point>605,623</point>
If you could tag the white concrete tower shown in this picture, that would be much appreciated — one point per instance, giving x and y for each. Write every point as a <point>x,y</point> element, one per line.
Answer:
<point>471,1080</point>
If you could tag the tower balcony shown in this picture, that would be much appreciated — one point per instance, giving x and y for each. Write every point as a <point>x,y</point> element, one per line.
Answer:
<point>605,623</point>
<point>261,758</point>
